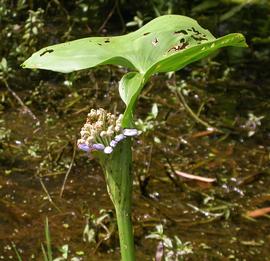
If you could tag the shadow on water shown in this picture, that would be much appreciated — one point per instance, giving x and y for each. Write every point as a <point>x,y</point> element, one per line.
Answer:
<point>215,217</point>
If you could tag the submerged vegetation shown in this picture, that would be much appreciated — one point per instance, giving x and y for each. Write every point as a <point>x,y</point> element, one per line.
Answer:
<point>43,174</point>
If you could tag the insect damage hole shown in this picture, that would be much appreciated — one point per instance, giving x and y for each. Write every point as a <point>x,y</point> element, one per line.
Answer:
<point>183,44</point>
<point>198,39</point>
<point>195,31</point>
<point>155,42</point>
<point>47,51</point>
<point>181,32</point>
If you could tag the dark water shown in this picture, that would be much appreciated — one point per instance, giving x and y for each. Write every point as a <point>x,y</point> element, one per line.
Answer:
<point>212,216</point>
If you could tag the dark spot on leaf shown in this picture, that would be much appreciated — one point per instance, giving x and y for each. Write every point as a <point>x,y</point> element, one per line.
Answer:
<point>184,45</point>
<point>181,32</point>
<point>107,41</point>
<point>179,47</point>
<point>189,30</point>
<point>195,31</point>
<point>146,33</point>
<point>99,44</point>
<point>199,38</point>
<point>155,42</point>
<point>47,51</point>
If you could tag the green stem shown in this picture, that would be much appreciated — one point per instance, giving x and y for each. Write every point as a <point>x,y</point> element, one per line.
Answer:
<point>126,235</point>
<point>119,184</point>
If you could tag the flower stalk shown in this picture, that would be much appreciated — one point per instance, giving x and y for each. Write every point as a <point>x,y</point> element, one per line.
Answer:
<point>103,138</point>
<point>118,176</point>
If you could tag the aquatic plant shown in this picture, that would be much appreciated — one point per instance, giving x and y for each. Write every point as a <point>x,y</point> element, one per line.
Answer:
<point>167,43</point>
<point>168,248</point>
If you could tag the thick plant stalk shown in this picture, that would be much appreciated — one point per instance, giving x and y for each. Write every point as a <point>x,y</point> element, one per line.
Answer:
<point>103,137</point>
<point>117,169</point>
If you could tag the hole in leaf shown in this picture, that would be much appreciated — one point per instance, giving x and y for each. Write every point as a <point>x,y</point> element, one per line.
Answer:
<point>107,41</point>
<point>155,42</point>
<point>181,32</point>
<point>180,46</point>
<point>199,38</point>
<point>195,31</point>
<point>146,33</point>
<point>47,51</point>
<point>99,44</point>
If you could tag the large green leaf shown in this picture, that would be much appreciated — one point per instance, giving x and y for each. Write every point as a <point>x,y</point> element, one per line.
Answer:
<point>167,43</point>
<point>170,36</point>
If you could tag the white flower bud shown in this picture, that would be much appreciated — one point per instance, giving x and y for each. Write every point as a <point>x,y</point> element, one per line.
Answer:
<point>130,132</point>
<point>117,128</point>
<point>80,141</point>
<point>108,150</point>
<point>110,128</point>
<point>85,133</point>
<point>90,140</point>
<point>109,133</point>
<point>103,134</point>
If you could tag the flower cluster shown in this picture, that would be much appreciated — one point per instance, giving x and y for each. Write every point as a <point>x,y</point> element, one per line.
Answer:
<point>102,132</point>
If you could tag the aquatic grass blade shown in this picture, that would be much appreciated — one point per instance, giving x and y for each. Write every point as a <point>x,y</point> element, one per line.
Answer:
<point>48,240</point>
<point>45,257</point>
<point>16,252</point>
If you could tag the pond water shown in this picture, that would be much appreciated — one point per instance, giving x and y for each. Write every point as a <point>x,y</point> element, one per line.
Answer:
<point>215,217</point>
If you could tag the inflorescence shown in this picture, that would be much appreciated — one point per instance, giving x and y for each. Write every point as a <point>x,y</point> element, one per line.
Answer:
<point>102,132</point>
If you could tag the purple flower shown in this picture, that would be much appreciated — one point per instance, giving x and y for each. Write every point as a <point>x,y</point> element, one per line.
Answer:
<point>108,150</point>
<point>113,143</point>
<point>98,146</point>
<point>130,132</point>
<point>119,137</point>
<point>84,147</point>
